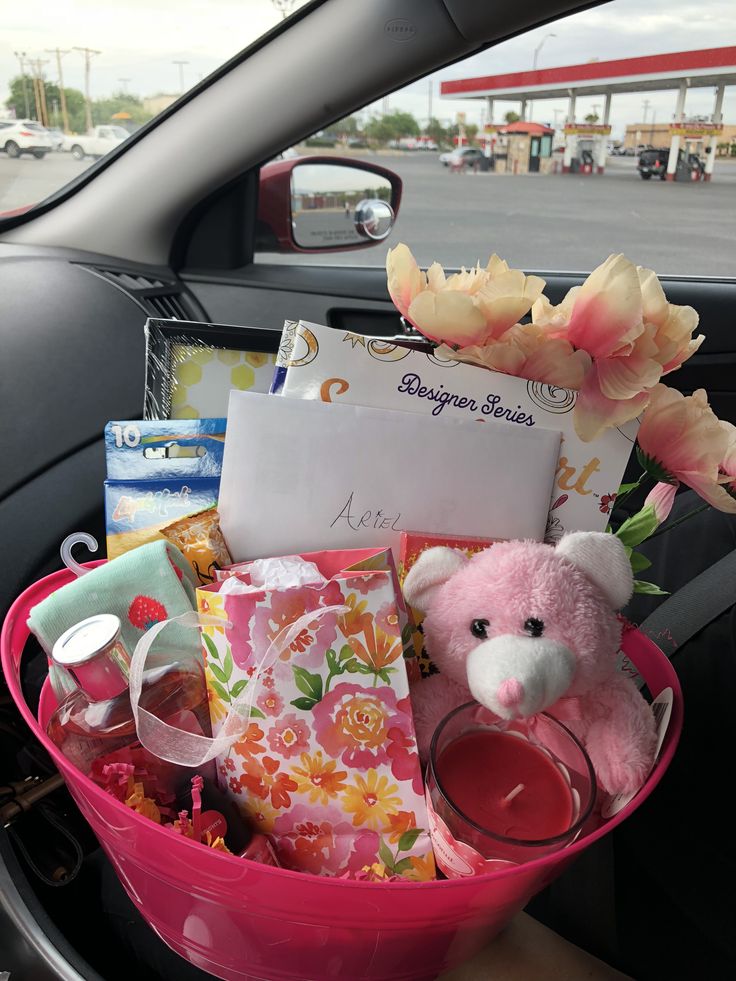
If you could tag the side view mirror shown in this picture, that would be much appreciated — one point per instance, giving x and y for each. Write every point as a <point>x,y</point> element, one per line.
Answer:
<point>319,204</point>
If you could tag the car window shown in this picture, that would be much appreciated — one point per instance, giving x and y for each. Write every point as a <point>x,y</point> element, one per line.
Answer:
<point>72,68</point>
<point>525,196</point>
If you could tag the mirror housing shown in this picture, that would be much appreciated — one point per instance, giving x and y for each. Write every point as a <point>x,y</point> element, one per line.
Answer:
<point>323,204</point>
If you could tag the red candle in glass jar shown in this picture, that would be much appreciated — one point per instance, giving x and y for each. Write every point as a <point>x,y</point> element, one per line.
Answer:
<point>506,785</point>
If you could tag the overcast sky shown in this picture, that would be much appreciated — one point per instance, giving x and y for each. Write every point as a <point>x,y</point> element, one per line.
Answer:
<point>140,40</point>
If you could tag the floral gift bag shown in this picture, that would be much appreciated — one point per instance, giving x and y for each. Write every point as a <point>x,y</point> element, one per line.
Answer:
<point>327,764</point>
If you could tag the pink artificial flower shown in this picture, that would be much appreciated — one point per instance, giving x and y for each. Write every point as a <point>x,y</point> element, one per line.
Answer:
<point>681,440</point>
<point>470,307</point>
<point>527,351</point>
<point>621,318</point>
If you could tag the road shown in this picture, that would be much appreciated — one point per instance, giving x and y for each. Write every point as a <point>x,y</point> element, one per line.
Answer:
<point>26,180</point>
<point>557,222</point>
<point>560,222</point>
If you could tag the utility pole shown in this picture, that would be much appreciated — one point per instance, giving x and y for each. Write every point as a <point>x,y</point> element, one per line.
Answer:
<point>62,95</point>
<point>384,107</point>
<point>645,106</point>
<point>124,84</point>
<point>284,7</point>
<point>40,85</point>
<point>21,56</point>
<point>181,74</point>
<point>88,55</point>
<point>429,102</point>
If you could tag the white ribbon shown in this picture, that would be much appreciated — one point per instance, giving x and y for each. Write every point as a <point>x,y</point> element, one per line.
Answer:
<point>188,748</point>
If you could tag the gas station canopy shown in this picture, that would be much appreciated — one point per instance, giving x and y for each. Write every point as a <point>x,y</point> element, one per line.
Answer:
<point>680,70</point>
<point>698,69</point>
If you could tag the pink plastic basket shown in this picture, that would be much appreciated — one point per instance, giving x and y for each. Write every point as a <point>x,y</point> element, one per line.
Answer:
<point>240,920</point>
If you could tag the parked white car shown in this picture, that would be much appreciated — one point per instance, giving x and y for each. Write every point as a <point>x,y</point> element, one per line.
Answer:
<point>97,142</point>
<point>57,138</point>
<point>19,136</point>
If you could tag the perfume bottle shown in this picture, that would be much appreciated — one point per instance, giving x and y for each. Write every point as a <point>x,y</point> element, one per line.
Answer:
<point>94,724</point>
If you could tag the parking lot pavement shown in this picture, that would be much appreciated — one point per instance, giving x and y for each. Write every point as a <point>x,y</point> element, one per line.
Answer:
<point>561,222</point>
<point>26,180</point>
<point>556,222</point>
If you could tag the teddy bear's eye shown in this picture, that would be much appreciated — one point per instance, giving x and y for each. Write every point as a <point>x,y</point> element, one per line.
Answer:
<point>534,627</point>
<point>478,628</point>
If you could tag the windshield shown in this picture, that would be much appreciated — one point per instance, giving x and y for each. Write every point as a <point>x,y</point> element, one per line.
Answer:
<point>96,73</point>
<point>532,147</point>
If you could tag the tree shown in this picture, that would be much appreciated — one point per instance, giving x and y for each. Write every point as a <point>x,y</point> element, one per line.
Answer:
<point>348,126</point>
<point>436,131</point>
<point>592,117</point>
<point>104,109</point>
<point>512,117</point>
<point>392,126</point>
<point>74,102</point>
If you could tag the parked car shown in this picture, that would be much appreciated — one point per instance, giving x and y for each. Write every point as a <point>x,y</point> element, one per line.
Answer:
<point>653,163</point>
<point>24,136</point>
<point>464,156</point>
<point>57,138</point>
<point>97,142</point>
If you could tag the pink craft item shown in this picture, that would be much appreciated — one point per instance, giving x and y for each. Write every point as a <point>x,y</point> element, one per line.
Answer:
<point>243,921</point>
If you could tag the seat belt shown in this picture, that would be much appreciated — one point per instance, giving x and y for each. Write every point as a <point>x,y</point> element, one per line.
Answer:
<point>589,887</point>
<point>695,605</point>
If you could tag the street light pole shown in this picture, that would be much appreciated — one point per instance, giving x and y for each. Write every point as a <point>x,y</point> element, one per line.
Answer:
<point>180,65</point>
<point>534,65</point>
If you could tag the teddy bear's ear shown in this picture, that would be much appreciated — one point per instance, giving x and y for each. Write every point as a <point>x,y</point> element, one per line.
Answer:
<point>430,571</point>
<point>603,559</point>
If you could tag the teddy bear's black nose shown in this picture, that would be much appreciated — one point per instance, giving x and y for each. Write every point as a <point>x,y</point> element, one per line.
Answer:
<point>534,627</point>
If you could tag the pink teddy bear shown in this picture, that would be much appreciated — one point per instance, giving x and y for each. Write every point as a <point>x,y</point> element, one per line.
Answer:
<point>524,628</point>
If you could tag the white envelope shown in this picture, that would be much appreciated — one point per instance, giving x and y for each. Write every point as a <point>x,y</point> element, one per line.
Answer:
<point>317,362</point>
<point>299,476</point>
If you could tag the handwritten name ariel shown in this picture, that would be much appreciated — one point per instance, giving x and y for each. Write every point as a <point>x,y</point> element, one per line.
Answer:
<point>368,519</point>
<point>411,384</point>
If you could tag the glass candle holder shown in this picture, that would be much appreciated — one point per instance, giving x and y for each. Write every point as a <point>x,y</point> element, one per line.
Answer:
<point>505,791</point>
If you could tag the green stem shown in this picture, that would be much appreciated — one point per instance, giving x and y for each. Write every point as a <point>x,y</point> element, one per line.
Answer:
<point>685,517</point>
<point>622,497</point>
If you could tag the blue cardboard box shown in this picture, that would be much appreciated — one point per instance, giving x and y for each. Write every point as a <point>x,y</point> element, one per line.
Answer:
<point>158,471</point>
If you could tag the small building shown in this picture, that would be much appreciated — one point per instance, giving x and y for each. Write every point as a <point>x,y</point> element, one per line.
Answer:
<point>157,103</point>
<point>523,148</point>
<point>659,135</point>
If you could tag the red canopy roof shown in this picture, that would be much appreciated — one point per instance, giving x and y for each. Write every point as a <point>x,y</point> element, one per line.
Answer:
<point>534,129</point>
<point>705,67</point>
